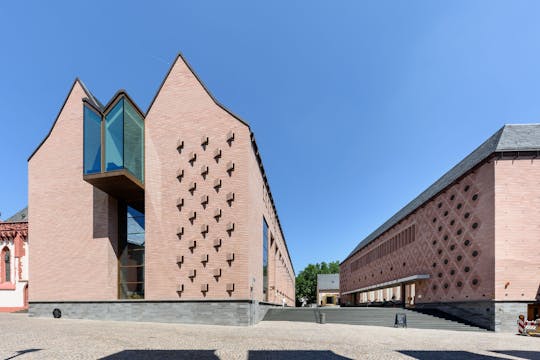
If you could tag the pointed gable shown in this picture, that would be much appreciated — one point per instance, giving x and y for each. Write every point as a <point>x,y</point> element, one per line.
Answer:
<point>181,77</point>
<point>77,93</point>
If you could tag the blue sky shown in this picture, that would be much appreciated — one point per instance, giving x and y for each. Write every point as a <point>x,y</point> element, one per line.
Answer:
<point>357,106</point>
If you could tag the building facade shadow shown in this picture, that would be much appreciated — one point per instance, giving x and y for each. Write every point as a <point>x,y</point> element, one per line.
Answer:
<point>445,355</point>
<point>163,354</point>
<point>210,355</point>
<point>525,354</point>
<point>22,352</point>
<point>294,355</point>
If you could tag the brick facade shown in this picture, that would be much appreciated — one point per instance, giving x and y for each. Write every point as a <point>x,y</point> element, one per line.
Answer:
<point>453,252</point>
<point>517,230</point>
<point>467,245</point>
<point>203,236</point>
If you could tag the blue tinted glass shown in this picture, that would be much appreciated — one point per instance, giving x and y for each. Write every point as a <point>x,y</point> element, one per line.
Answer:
<point>114,138</point>
<point>92,141</point>
<point>135,227</point>
<point>131,267</point>
<point>133,141</point>
<point>265,260</point>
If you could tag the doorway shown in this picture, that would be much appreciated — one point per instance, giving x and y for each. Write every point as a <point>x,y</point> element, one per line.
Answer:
<point>410,293</point>
<point>533,311</point>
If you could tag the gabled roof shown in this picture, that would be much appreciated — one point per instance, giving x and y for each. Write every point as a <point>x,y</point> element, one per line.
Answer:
<point>223,107</point>
<point>328,281</point>
<point>252,135</point>
<point>93,101</point>
<point>21,216</point>
<point>510,138</point>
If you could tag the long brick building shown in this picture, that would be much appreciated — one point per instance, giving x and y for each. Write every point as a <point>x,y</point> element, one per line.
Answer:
<point>163,215</point>
<point>468,245</point>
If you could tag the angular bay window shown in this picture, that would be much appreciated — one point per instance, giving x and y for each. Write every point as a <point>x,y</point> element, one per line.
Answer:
<point>133,141</point>
<point>92,141</point>
<point>265,260</point>
<point>131,250</point>
<point>122,143</point>
<point>114,150</point>
<point>114,137</point>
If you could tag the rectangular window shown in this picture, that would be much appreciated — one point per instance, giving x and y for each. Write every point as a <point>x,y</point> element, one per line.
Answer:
<point>114,137</point>
<point>92,141</point>
<point>265,260</point>
<point>133,141</point>
<point>131,262</point>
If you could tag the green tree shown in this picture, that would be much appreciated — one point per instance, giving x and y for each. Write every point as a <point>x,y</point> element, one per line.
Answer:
<point>306,281</point>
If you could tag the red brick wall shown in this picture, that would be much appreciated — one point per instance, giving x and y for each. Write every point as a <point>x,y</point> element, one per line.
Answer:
<point>73,225</point>
<point>73,237</point>
<point>281,281</point>
<point>517,229</point>
<point>441,234</point>
<point>183,111</point>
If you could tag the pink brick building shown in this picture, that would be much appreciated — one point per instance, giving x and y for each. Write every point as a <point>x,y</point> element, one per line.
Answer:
<point>467,246</point>
<point>169,211</point>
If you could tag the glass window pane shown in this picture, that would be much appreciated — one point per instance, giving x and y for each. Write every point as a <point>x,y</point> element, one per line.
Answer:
<point>135,227</point>
<point>7,266</point>
<point>114,142</point>
<point>131,290</point>
<point>92,141</point>
<point>131,277</point>
<point>133,141</point>
<point>132,274</point>
<point>265,260</point>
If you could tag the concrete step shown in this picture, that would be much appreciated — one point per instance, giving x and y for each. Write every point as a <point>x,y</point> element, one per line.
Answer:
<point>367,316</point>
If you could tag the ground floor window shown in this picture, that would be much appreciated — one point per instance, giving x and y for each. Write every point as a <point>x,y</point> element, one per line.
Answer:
<point>131,250</point>
<point>329,299</point>
<point>5,276</point>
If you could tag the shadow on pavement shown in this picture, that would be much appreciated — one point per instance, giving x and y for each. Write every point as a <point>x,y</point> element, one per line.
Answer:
<point>22,352</point>
<point>210,355</point>
<point>163,354</point>
<point>294,355</point>
<point>446,355</point>
<point>529,355</point>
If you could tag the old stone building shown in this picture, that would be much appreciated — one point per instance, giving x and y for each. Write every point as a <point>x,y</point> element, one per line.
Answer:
<point>14,262</point>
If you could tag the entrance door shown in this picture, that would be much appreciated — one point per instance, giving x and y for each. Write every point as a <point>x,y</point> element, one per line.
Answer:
<point>533,311</point>
<point>409,295</point>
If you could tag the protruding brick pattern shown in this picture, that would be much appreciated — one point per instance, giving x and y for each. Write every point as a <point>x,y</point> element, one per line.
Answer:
<point>454,235</point>
<point>203,181</point>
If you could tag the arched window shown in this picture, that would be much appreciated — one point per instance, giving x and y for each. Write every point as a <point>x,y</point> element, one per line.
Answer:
<point>6,265</point>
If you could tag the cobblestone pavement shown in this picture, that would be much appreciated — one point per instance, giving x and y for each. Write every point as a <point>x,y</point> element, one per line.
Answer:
<point>23,337</point>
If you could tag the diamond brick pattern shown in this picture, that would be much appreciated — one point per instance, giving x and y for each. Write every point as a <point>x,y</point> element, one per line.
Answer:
<point>449,240</point>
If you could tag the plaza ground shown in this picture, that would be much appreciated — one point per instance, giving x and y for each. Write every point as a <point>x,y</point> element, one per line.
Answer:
<point>25,337</point>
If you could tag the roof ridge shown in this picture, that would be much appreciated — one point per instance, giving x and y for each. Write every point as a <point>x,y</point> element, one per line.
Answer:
<point>76,81</point>
<point>479,154</point>
<point>91,96</point>
<point>179,55</point>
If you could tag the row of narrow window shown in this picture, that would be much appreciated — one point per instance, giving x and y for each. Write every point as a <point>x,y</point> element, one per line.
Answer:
<point>398,241</point>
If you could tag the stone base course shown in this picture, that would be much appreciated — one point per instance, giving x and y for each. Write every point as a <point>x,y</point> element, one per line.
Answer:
<point>236,313</point>
<point>491,315</point>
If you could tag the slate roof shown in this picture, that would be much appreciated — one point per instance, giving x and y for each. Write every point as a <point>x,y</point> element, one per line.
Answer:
<point>510,138</point>
<point>21,216</point>
<point>328,281</point>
